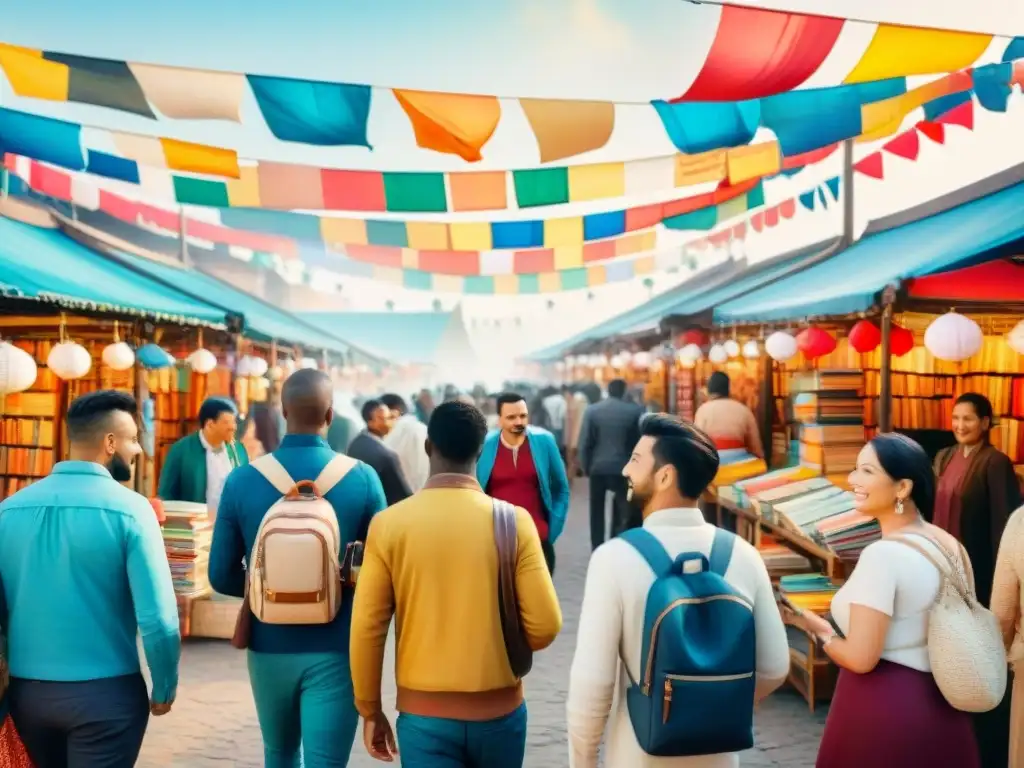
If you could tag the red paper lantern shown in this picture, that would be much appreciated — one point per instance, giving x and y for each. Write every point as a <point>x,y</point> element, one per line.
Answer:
<point>901,340</point>
<point>815,343</point>
<point>865,337</point>
<point>693,336</point>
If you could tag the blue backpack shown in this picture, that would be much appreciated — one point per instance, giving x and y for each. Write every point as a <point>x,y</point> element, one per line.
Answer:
<point>695,695</point>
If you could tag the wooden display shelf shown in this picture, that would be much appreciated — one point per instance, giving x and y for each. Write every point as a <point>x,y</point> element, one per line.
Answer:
<point>811,671</point>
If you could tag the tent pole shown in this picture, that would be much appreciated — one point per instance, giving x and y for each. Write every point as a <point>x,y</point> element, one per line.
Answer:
<point>848,236</point>
<point>766,406</point>
<point>885,369</point>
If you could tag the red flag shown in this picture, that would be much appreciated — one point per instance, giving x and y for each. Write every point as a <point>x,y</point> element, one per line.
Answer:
<point>934,131</point>
<point>757,221</point>
<point>739,232</point>
<point>871,166</point>
<point>771,216</point>
<point>788,208</point>
<point>907,145</point>
<point>962,116</point>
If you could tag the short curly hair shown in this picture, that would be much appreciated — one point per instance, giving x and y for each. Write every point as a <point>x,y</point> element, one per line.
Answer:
<point>457,431</point>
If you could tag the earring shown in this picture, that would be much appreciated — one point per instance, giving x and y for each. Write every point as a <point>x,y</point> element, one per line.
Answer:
<point>899,507</point>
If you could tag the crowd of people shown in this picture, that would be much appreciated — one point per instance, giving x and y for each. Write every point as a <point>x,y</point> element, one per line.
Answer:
<point>444,523</point>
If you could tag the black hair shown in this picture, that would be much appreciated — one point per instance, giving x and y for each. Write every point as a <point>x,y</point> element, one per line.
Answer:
<point>457,431</point>
<point>89,415</point>
<point>617,388</point>
<point>903,459</point>
<point>395,402</point>
<point>718,384</point>
<point>508,398</point>
<point>982,407</point>
<point>688,449</point>
<point>213,407</point>
<point>370,407</point>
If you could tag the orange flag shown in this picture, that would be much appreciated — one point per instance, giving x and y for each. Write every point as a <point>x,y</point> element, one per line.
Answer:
<point>567,128</point>
<point>452,123</point>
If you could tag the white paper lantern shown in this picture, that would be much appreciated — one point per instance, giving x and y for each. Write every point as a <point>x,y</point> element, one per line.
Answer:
<point>1015,338</point>
<point>118,356</point>
<point>69,360</point>
<point>751,350</point>
<point>626,356</point>
<point>732,348</point>
<point>244,367</point>
<point>202,360</point>
<point>642,360</point>
<point>781,346</point>
<point>953,337</point>
<point>691,353</point>
<point>717,354</point>
<point>17,369</point>
<point>259,366</point>
<point>275,373</point>
<point>602,360</point>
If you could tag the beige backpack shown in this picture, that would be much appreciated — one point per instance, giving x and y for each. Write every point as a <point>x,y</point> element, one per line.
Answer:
<point>295,569</point>
<point>965,642</point>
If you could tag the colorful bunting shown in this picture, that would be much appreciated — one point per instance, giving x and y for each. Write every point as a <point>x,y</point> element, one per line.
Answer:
<point>833,187</point>
<point>42,138</point>
<point>901,51</point>
<point>567,128</point>
<point>777,52</point>
<point>309,112</point>
<point>32,76</point>
<point>450,123</point>
<point>192,94</point>
<point>871,166</point>
<point>934,131</point>
<point>754,161</point>
<point>102,83</point>
<point>705,126</point>
<point>962,115</point>
<point>907,145</point>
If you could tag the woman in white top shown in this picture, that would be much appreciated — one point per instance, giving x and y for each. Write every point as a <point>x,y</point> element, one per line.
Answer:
<point>887,711</point>
<point>1008,606</point>
<point>670,467</point>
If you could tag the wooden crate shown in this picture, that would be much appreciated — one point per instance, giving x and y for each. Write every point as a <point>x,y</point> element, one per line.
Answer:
<point>214,617</point>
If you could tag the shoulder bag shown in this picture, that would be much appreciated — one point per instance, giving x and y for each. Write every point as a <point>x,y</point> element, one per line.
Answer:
<point>506,540</point>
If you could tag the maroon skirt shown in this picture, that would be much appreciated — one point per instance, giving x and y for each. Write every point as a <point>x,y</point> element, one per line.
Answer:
<point>894,717</point>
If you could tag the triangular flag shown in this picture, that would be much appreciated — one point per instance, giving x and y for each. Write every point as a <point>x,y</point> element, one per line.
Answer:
<point>757,221</point>
<point>718,239</point>
<point>934,131</point>
<point>824,198</point>
<point>807,200</point>
<point>787,208</point>
<point>962,116</point>
<point>739,232</point>
<point>871,166</point>
<point>833,186</point>
<point>771,216</point>
<point>907,145</point>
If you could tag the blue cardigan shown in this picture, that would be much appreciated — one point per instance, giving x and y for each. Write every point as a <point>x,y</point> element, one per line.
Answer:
<point>554,484</point>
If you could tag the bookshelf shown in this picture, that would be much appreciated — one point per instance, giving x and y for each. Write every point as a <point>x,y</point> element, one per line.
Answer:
<point>30,433</point>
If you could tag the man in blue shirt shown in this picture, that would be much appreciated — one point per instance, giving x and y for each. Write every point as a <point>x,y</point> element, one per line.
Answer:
<point>83,571</point>
<point>299,674</point>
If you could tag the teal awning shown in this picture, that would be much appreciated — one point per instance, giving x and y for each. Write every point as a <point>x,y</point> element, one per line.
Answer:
<point>48,266</point>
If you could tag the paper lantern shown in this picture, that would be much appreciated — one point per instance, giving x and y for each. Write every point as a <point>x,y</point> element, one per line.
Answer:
<point>69,360</point>
<point>616,361</point>
<point>154,357</point>
<point>693,336</point>
<point>1015,338</point>
<point>717,354</point>
<point>118,356</point>
<point>751,350</point>
<point>953,337</point>
<point>691,353</point>
<point>17,369</point>
<point>626,356</point>
<point>901,341</point>
<point>601,361</point>
<point>202,360</point>
<point>865,336</point>
<point>642,360</point>
<point>732,348</point>
<point>780,346</point>
<point>815,343</point>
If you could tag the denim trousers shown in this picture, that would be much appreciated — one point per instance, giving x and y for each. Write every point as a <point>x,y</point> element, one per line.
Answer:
<point>305,708</point>
<point>434,742</point>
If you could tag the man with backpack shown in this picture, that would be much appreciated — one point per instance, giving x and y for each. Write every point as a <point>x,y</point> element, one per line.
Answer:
<point>688,608</point>
<point>292,515</point>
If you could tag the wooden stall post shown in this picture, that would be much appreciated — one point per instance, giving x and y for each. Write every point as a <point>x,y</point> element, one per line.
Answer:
<point>885,368</point>
<point>766,406</point>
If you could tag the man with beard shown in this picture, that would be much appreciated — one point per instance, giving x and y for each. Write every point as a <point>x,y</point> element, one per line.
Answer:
<point>522,465</point>
<point>84,572</point>
<point>670,467</point>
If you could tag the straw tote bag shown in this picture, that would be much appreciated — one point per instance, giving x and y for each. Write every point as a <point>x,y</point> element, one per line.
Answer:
<point>965,642</point>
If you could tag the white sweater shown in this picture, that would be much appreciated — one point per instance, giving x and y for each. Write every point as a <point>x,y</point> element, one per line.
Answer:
<point>611,630</point>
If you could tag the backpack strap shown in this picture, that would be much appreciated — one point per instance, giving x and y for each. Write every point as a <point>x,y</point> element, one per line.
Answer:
<point>275,473</point>
<point>334,473</point>
<point>721,551</point>
<point>647,544</point>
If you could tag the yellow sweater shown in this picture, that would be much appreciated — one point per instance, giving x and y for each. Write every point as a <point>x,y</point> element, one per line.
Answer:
<point>431,561</point>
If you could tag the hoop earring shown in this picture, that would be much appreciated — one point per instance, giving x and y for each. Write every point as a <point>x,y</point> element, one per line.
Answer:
<point>899,507</point>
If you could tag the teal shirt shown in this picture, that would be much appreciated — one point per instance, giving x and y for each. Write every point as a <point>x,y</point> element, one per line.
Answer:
<point>83,571</point>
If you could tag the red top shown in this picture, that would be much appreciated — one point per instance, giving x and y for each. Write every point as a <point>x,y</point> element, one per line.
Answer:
<point>947,493</point>
<point>516,482</point>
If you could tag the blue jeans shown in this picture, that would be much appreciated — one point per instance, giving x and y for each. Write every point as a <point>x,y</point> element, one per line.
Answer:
<point>305,707</point>
<point>433,742</point>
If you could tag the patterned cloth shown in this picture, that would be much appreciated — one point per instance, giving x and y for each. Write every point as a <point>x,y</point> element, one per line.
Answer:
<point>12,751</point>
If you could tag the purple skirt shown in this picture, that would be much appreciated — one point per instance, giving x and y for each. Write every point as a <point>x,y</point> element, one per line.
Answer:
<point>894,717</point>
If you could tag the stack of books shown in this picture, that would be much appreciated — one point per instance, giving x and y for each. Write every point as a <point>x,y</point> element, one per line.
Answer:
<point>829,407</point>
<point>848,533</point>
<point>780,560</point>
<point>808,591</point>
<point>188,532</point>
<point>736,464</point>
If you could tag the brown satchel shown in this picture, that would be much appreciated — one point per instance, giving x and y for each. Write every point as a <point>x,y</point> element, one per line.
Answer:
<point>520,655</point>
<point>243,624</point>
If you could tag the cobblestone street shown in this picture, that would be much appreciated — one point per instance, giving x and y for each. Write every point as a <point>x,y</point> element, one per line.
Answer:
<point>214,723</point>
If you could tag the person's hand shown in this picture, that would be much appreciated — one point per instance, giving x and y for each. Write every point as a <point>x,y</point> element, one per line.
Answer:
<point>807,621</point>
<point>156,709</point>
<point>379,739</point>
